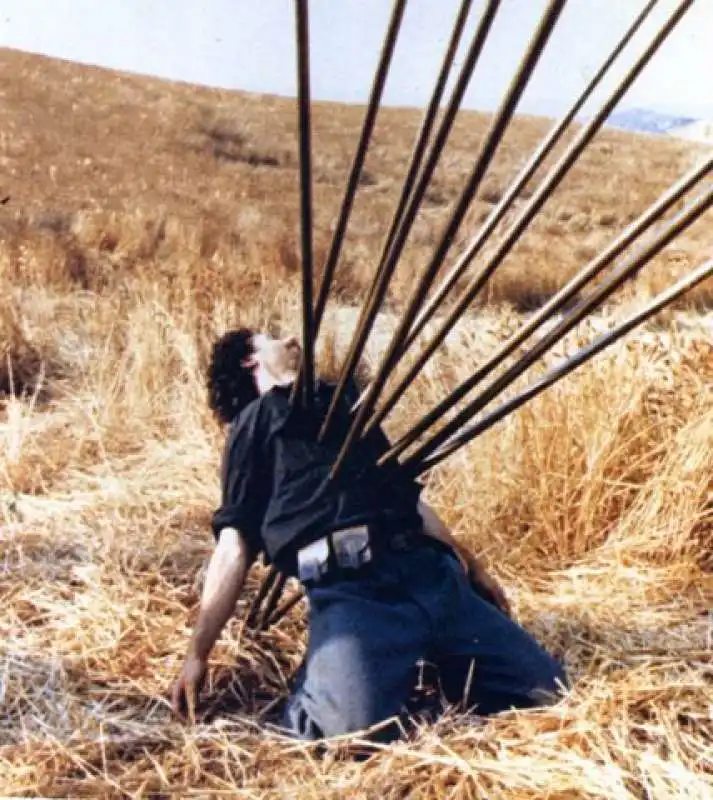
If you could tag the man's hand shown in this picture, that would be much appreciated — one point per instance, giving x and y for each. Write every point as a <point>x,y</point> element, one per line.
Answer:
<point>186,689</point>
<point>484,583</point>
<point>224,582</point>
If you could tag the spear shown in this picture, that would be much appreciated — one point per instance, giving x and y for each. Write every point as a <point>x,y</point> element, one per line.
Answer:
<point>558,301</point>
<point>491,142</point>
<point>523,220</point>
<point>305,148</point>
<point>662,300</point>
<point>602,292</point>
<point>393,247</point>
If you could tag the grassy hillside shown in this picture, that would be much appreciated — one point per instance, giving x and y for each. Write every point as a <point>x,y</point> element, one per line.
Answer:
<point>111,174</point>
<point>143,218</point>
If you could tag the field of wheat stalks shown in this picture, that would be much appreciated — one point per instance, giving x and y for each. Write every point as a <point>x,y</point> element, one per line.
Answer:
<point>592,504</point>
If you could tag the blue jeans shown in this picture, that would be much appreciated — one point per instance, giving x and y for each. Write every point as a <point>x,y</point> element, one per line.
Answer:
<point>367,635</point>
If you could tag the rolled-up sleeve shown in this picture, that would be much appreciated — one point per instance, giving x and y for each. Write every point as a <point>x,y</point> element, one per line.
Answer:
<point>243,492</point>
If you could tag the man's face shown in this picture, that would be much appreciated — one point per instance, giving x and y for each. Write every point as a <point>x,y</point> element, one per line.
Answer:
<point>274,361</point>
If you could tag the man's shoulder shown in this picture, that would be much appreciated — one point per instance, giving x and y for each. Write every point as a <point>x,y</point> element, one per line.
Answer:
<point>247,416</point>
<point>325,390</point>
<point>245,425</point>
<point>270,412</point>
<point>261,415</point>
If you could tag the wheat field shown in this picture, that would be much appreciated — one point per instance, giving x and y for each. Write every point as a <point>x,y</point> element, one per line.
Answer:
<point>140,219</point>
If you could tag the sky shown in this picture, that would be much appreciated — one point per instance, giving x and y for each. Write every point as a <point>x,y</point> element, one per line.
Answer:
<point>246,44</point>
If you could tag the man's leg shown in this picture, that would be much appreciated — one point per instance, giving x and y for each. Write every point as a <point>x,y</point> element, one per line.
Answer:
<point>364,641</point>
<point>485,659</point>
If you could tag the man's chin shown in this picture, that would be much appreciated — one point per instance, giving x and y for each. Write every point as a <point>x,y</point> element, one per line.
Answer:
<point>291,372</point>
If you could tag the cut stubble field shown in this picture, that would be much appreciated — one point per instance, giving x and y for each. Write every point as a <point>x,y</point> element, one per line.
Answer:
<point>143,219</point>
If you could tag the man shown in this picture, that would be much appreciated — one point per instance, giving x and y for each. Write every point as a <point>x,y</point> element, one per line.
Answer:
<point>387,584</point>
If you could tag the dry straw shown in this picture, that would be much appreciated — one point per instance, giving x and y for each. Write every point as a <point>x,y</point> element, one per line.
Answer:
<point>592,504</point>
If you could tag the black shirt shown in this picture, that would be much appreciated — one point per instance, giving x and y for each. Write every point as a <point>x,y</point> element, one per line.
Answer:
<point>275,478</point>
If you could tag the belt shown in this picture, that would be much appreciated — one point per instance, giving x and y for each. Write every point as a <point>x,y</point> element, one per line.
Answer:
<point>349,552</point>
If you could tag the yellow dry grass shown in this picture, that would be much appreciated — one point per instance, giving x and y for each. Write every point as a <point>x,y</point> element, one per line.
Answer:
<point>144,218</point>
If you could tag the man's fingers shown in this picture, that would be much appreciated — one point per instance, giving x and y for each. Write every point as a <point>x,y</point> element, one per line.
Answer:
<point>185,700</point>
<point>186,689</point>
<point>502,601</point>
<point>178,699</point>
<point>191,702</point>
<point>491,591</point>
<point>499,599</point>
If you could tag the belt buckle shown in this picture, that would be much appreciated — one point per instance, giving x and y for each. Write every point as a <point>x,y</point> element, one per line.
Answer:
<point>352,547</point>
<point>313,561</point>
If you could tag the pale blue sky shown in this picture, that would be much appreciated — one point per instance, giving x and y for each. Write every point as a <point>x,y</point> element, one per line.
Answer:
<point>248,45</point>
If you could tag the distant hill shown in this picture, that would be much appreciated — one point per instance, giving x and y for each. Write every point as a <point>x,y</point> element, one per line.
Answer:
<point>699,131</point>
<point>641,120</point>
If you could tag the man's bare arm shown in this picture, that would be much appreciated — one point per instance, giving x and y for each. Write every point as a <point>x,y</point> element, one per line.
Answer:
<point>434,526</point>
<point>224,582</point>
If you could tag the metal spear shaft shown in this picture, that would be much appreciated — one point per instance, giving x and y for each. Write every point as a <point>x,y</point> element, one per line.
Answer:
<point>285,608</point>
<point>274,579</point>
<point>273,599</point>
<point>350,192</point>
<point>419,149</point>
<point>520,225</point>
<point>426,127</point>
<point>654,213</point>
<point>266,585</point>
<point>355,173</point>
<point>305,148</point>
<point>624,272</point>
<point>527,172</point>
<point>390,256</point>
<point>490,145</point>
<point>367,130</point>
<point>664,299</point>
<point>377,90</point>
<point>582,356</point>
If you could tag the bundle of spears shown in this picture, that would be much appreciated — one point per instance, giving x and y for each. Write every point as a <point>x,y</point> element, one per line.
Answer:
<point>420,448</point>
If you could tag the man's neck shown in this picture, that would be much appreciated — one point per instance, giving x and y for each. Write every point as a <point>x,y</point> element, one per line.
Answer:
<point>282,385</point>
<point>276,382</point>
<point>286,380</point>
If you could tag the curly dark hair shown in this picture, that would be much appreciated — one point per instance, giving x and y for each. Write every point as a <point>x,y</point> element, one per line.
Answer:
<point>230,385</point>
